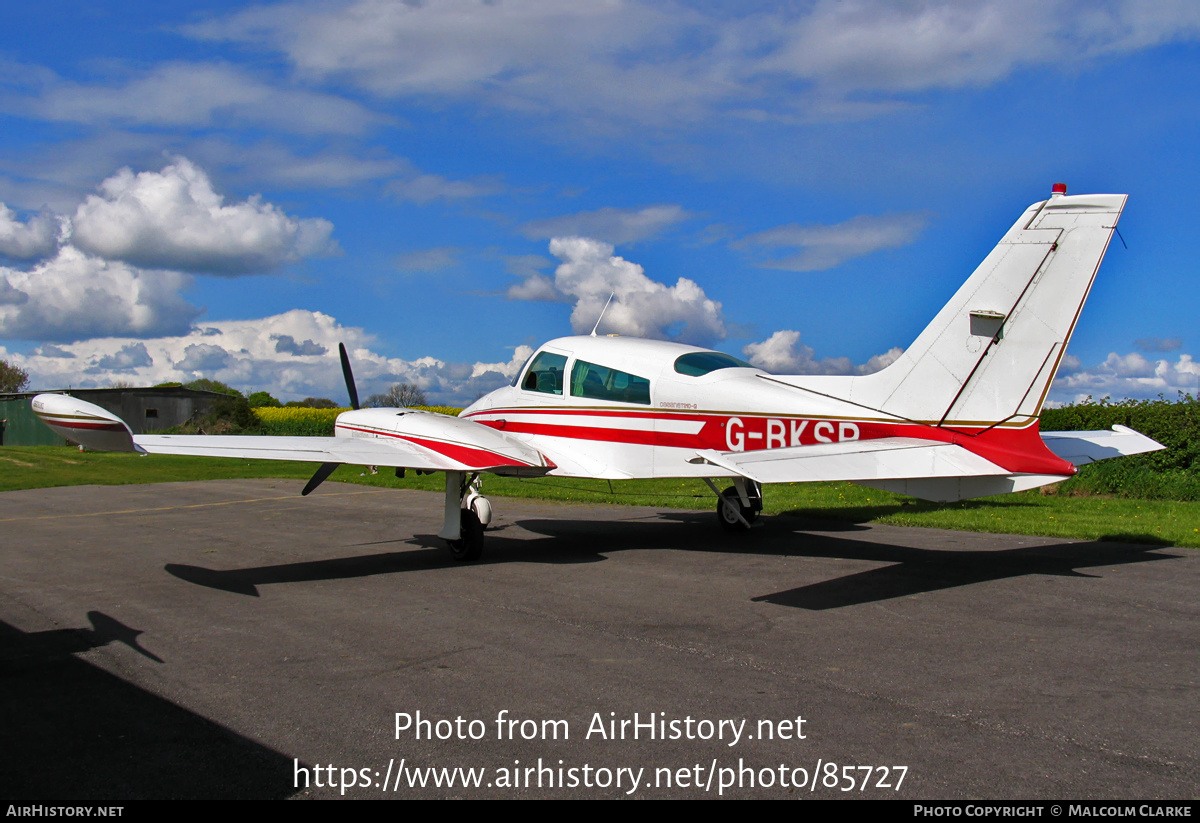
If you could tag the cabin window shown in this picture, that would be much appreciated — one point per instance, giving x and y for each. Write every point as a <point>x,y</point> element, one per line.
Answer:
<point>603,383</point>
<point>546,373</point>
<point>700,363</point>
<point>151,413</point>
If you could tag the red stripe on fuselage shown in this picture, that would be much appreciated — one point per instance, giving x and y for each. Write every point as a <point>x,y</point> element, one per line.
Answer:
<point>1019,450</point>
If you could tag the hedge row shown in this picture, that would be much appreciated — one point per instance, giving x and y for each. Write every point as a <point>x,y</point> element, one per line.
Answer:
<point>306,422</point>
<point>1170,474</point>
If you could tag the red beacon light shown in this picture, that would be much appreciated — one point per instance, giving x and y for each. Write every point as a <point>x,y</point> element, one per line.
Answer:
<point>1058,190</point>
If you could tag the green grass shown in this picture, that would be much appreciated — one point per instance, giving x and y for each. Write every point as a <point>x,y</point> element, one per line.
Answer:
<point>1141,521</point>
<point>37,467</point>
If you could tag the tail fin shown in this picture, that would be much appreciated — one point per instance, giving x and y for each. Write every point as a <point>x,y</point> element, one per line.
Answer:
<point>990,355</point>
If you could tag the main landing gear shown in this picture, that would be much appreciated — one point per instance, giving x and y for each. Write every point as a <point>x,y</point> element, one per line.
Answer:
<point>739,505</point>
<point>466,514</point>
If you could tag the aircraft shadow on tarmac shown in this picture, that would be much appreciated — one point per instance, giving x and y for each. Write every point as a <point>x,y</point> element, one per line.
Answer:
<point>911,570</point>
<point>431,554</point>
<point>917,570</point>
<point>78,733</point>
<point>62,642</point>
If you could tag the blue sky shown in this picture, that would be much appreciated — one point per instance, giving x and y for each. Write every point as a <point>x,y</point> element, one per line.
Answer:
<point>226,191</point>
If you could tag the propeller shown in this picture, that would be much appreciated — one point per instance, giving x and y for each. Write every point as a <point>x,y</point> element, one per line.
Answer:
<point>325,469</point>
<point>322,473</point>
<point>349,375</point>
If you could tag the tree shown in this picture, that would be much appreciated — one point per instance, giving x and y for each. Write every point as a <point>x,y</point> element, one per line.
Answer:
<point>12,379</point>
<point>204,384</point>
<point>400,395</point>
<point>263,400</point>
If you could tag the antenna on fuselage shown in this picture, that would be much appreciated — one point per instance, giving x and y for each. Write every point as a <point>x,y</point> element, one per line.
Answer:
<point>611,295</point>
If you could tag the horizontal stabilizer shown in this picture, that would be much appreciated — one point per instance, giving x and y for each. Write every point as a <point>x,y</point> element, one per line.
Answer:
<point>1082,448</point>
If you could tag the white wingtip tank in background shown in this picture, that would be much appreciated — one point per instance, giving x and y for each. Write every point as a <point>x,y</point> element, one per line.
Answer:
<point>84,423</point>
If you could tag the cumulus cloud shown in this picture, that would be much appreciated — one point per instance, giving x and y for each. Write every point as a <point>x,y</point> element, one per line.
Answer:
<point>73,295</point>
<point>507,370</point>
<point>120,266</point>
<point>173,219</point>
<point>127,358</point>
<point>818,247</point>
<point>200,359</point>
<point>10,295</point>
<point>35,237</point>
<point>535,287</point>
<point>616,226</point>
<point>879,362</point>
<point>1127,375</point>
<point>287,343</point>
<point>590,273</point>
<point>246,354</point>
<point>783,353</point>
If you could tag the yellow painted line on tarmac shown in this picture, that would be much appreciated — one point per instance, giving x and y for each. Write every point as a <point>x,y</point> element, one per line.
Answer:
<point>187,506</point>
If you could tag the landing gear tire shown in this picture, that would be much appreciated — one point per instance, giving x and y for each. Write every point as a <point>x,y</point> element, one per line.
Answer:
<point>469,546</point>
<point>729,503</point>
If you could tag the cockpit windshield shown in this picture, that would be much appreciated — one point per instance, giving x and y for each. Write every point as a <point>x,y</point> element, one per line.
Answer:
<point>700,363</point>
<point>546,373</point>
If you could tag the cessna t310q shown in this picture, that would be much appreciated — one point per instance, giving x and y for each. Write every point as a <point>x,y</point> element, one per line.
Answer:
<point>954,417</point>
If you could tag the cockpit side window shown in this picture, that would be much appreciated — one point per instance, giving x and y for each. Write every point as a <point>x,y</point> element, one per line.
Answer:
<point>603,383</point>
<point>545,374</point>
<point>700,363</point>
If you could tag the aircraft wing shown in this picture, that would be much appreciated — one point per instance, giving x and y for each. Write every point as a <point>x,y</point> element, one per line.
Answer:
<point>375,437</point>
<point>886,458</point>
<point>391,452</point>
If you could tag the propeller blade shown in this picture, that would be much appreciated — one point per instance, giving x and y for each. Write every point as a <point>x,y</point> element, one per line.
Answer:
<point>319,477</point>
<point>349,375</point>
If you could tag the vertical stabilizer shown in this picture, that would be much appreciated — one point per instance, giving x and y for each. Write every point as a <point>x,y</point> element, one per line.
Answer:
<point>990,354</point>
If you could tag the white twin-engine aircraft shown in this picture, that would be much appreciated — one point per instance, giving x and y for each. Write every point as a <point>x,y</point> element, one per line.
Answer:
<point>956,416</point>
